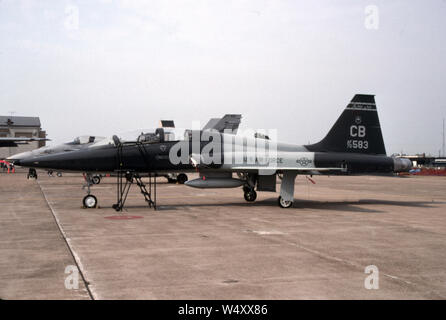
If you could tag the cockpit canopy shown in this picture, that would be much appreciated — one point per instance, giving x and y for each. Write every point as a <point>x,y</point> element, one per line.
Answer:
<point>84,140</point>
<point>153,135</point>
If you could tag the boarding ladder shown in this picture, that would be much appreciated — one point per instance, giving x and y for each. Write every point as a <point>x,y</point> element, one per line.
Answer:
<point>125,178</point>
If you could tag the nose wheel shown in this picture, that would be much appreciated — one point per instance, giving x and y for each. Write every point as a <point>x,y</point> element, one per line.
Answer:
<point>90,201</point>
<point>284,203</point>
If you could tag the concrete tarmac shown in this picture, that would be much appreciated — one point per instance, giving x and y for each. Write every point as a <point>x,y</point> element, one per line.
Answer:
<point>212,244</point>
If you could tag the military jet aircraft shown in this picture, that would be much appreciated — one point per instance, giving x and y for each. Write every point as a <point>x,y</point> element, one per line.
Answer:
<point>354,146</point>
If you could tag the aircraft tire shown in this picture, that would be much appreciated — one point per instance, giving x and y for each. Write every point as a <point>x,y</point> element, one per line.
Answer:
<point>90,201</point>
<point>170,180</point>
<point>182,178</point>
<point>96,179</point>
<point>284,204</point>
<point>250,195</point>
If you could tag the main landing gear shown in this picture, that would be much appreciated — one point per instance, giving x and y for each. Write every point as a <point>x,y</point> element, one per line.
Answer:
<point>286,197</point>
<point>181,178</point>
<point>284,204</point>
<point>50,173</point>
<point>174,178</point>
<point>249,193</point>
<point>96,179</point>
<point>32,173</point>
<point>287,189</point>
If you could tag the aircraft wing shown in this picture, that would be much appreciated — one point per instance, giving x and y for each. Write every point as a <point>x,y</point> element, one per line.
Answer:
<point>13,141</point>
<point>19,139</point>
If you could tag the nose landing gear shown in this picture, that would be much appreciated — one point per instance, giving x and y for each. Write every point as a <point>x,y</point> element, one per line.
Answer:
<point>90,201</point>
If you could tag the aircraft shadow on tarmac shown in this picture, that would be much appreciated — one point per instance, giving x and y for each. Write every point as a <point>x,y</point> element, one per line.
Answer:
<point>351,206</point>
<point>359,205</point>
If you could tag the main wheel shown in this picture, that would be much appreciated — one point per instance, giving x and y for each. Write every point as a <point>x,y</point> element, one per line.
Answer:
<point>182,178</point>
<point>32,173</point>
<point>284,203</point>
<point>59,174</point>
<point>250,195</point>
<point>96,179</point>
<point>90,201</point>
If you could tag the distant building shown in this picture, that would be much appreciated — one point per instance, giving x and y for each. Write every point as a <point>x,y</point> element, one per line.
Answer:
<point>28,127</point>
<point>425,161</point>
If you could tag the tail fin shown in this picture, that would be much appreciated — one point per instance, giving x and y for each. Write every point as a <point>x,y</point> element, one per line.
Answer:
<point>357,130</point>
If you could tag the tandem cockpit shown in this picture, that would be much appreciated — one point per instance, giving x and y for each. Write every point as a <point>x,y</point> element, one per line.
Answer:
<point>82,140</point>
<point>152,135</point>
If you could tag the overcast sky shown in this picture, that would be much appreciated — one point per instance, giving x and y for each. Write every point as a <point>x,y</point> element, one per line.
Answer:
<point>102,67</point>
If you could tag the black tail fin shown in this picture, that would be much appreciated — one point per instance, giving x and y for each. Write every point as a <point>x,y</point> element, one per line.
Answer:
<point>357,130</point>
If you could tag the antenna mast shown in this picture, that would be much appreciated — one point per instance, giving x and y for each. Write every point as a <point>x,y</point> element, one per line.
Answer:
<point>443,148</point>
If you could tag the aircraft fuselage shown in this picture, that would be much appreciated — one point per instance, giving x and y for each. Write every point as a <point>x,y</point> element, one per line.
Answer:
<point>157,157</point>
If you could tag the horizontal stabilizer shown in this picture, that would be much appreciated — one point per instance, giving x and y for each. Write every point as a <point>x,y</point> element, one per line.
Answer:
<point>211,123</point>
<point>167,124</point>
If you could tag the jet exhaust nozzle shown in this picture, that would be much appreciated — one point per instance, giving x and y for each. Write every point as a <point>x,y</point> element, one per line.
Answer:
<point>402,165</point>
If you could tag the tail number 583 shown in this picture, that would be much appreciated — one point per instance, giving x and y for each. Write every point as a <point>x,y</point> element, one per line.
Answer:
<point>357,144</point>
